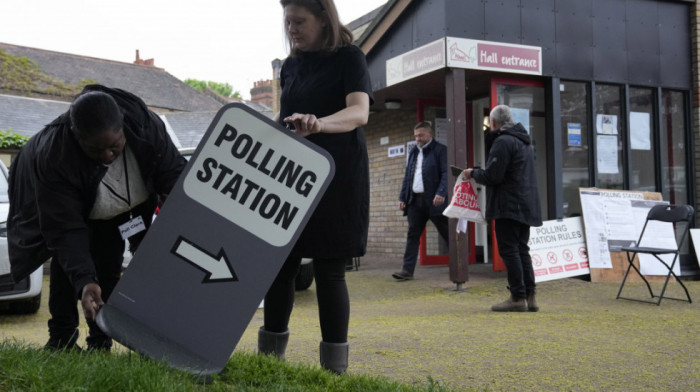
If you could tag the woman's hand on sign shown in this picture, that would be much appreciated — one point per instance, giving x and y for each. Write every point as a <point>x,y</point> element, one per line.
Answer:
<point>304,124</point>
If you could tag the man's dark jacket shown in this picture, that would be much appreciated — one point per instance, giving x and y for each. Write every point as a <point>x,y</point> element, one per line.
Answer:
<point>53,185</point>
<point>509,176</point>
<point>434,176</point>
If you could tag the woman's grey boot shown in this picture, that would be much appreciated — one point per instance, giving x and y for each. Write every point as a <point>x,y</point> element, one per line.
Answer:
<point>272,342</point>
<point>334,356</point>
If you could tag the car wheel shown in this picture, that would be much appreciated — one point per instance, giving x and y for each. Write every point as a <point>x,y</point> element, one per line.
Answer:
<point>27,306</point>
<point>305,277</point>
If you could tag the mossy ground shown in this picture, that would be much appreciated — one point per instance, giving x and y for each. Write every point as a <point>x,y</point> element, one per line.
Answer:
<point>583,339</point>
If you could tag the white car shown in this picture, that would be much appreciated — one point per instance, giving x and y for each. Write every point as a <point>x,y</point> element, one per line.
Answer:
<point>23,296</point>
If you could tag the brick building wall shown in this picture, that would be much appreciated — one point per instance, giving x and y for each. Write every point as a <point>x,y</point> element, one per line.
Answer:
<point>387,225</point>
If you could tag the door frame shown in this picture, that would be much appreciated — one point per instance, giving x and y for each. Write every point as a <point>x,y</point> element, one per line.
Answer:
<point>498,264</point>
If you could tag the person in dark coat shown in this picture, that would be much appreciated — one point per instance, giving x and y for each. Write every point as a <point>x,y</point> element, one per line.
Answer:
<point>513,202</point>
<point>423,194</point>
<point>326,94</point>
<point>106,162</point>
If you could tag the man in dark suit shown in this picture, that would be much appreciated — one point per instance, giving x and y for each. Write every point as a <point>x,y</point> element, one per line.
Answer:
<point>423,193</point>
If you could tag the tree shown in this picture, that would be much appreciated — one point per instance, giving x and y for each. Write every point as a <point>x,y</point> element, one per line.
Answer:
<point>224,89</point>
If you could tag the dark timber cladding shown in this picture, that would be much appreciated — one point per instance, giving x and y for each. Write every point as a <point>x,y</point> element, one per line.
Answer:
<point>642,42</point>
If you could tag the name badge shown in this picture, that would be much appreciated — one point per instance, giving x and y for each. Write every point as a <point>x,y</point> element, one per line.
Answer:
<point>132,227</point>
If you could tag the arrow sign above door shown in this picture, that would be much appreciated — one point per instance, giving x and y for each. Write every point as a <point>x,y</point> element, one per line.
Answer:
<point>217,267</point>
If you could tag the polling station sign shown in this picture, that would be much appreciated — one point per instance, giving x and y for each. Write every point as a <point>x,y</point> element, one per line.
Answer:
<point>218,242</point>
<point>264,183</point>
<point>558,249</point>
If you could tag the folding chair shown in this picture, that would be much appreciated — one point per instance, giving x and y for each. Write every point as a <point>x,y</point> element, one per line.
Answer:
<point>663,213</point>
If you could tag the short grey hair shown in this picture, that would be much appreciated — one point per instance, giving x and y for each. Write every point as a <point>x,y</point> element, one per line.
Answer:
<point>424,124</point>
<point>501,115</point>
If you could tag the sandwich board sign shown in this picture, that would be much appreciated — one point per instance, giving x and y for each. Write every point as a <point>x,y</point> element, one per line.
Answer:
<point>218,242</point>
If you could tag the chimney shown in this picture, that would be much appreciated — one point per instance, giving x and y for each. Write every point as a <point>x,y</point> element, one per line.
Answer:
<point>147,63</point>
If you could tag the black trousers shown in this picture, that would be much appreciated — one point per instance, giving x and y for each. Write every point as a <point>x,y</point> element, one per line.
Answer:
<point>331,294</point>
<point>418,213</point>
<point>107,251</point>
<point>512,237</point>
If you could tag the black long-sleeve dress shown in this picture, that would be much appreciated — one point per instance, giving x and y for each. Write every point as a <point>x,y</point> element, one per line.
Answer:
<point>318,83</point>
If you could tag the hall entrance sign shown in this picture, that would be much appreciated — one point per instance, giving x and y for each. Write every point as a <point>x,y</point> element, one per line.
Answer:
<point>218,242</point>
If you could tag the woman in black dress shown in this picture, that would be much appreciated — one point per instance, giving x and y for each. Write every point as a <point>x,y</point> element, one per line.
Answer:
<point>326,94</point>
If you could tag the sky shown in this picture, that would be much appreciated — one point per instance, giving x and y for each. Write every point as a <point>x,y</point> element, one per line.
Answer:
<point>225,41</point>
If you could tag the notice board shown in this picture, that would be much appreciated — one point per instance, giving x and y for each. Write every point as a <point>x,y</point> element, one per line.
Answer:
<point>612,219</point>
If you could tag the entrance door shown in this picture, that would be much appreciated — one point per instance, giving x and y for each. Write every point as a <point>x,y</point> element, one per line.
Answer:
<point>434,250</point>
<point>526,100</point>
<point>480,123</point>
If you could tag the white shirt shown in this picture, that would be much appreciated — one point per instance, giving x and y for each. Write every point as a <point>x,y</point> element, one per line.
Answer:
<point>418,175</point>
<point>114,197</point>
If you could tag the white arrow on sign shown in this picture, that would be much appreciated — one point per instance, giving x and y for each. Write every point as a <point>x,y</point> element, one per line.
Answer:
<point>217,267</point>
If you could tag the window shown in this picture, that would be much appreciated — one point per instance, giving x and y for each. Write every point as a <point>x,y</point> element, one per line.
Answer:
<point>609,128</point>
<point>641,140</point>
<point>574,125</point>
<point>673,147</point>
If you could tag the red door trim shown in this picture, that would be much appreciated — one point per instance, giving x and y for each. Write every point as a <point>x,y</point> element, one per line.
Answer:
<point>496,257</point>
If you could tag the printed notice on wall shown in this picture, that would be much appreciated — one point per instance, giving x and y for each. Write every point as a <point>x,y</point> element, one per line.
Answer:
<point>442,127</point>
<point>640,131</point>
<point>396,151</point>
<point>607,154</point>
<point>573,131</point>
<point>606,124</point>
<point>521,116</point>
<point>409,147</point>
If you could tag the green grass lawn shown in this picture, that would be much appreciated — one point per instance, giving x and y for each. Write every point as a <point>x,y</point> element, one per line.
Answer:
<point>417,335</point>
<point>24,368</point>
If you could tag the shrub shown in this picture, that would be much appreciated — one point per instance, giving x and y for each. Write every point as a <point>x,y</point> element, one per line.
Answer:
<point>11,139</point>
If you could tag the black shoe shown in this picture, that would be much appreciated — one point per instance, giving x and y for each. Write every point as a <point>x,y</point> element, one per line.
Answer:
<point>103,347</point>
<point>402,275</point>
<point>58,344</point>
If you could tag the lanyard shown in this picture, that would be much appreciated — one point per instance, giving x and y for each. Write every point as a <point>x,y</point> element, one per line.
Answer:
<point>126,200</point>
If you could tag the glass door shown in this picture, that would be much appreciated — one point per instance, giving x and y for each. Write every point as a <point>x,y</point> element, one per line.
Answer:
<point>434,250</point>
<point>527,103</point>
<point>525,98</point>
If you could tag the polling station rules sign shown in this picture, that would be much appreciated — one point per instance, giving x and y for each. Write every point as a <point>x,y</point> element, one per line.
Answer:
<point>218,242</point>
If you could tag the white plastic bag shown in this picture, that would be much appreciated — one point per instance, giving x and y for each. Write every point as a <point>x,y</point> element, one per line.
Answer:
<point>464,203</point>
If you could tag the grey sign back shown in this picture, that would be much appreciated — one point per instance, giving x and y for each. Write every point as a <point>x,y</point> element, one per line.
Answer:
<point>218,242</point>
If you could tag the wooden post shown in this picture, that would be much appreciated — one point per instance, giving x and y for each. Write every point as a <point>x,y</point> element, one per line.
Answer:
<point>456,107</point>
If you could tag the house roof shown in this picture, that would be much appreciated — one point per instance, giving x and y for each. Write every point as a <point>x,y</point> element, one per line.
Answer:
<point>360,25</point>
<point>188,127</point>
<point>158,88</point>
<point>27,116</point>
<point>382,19</point>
